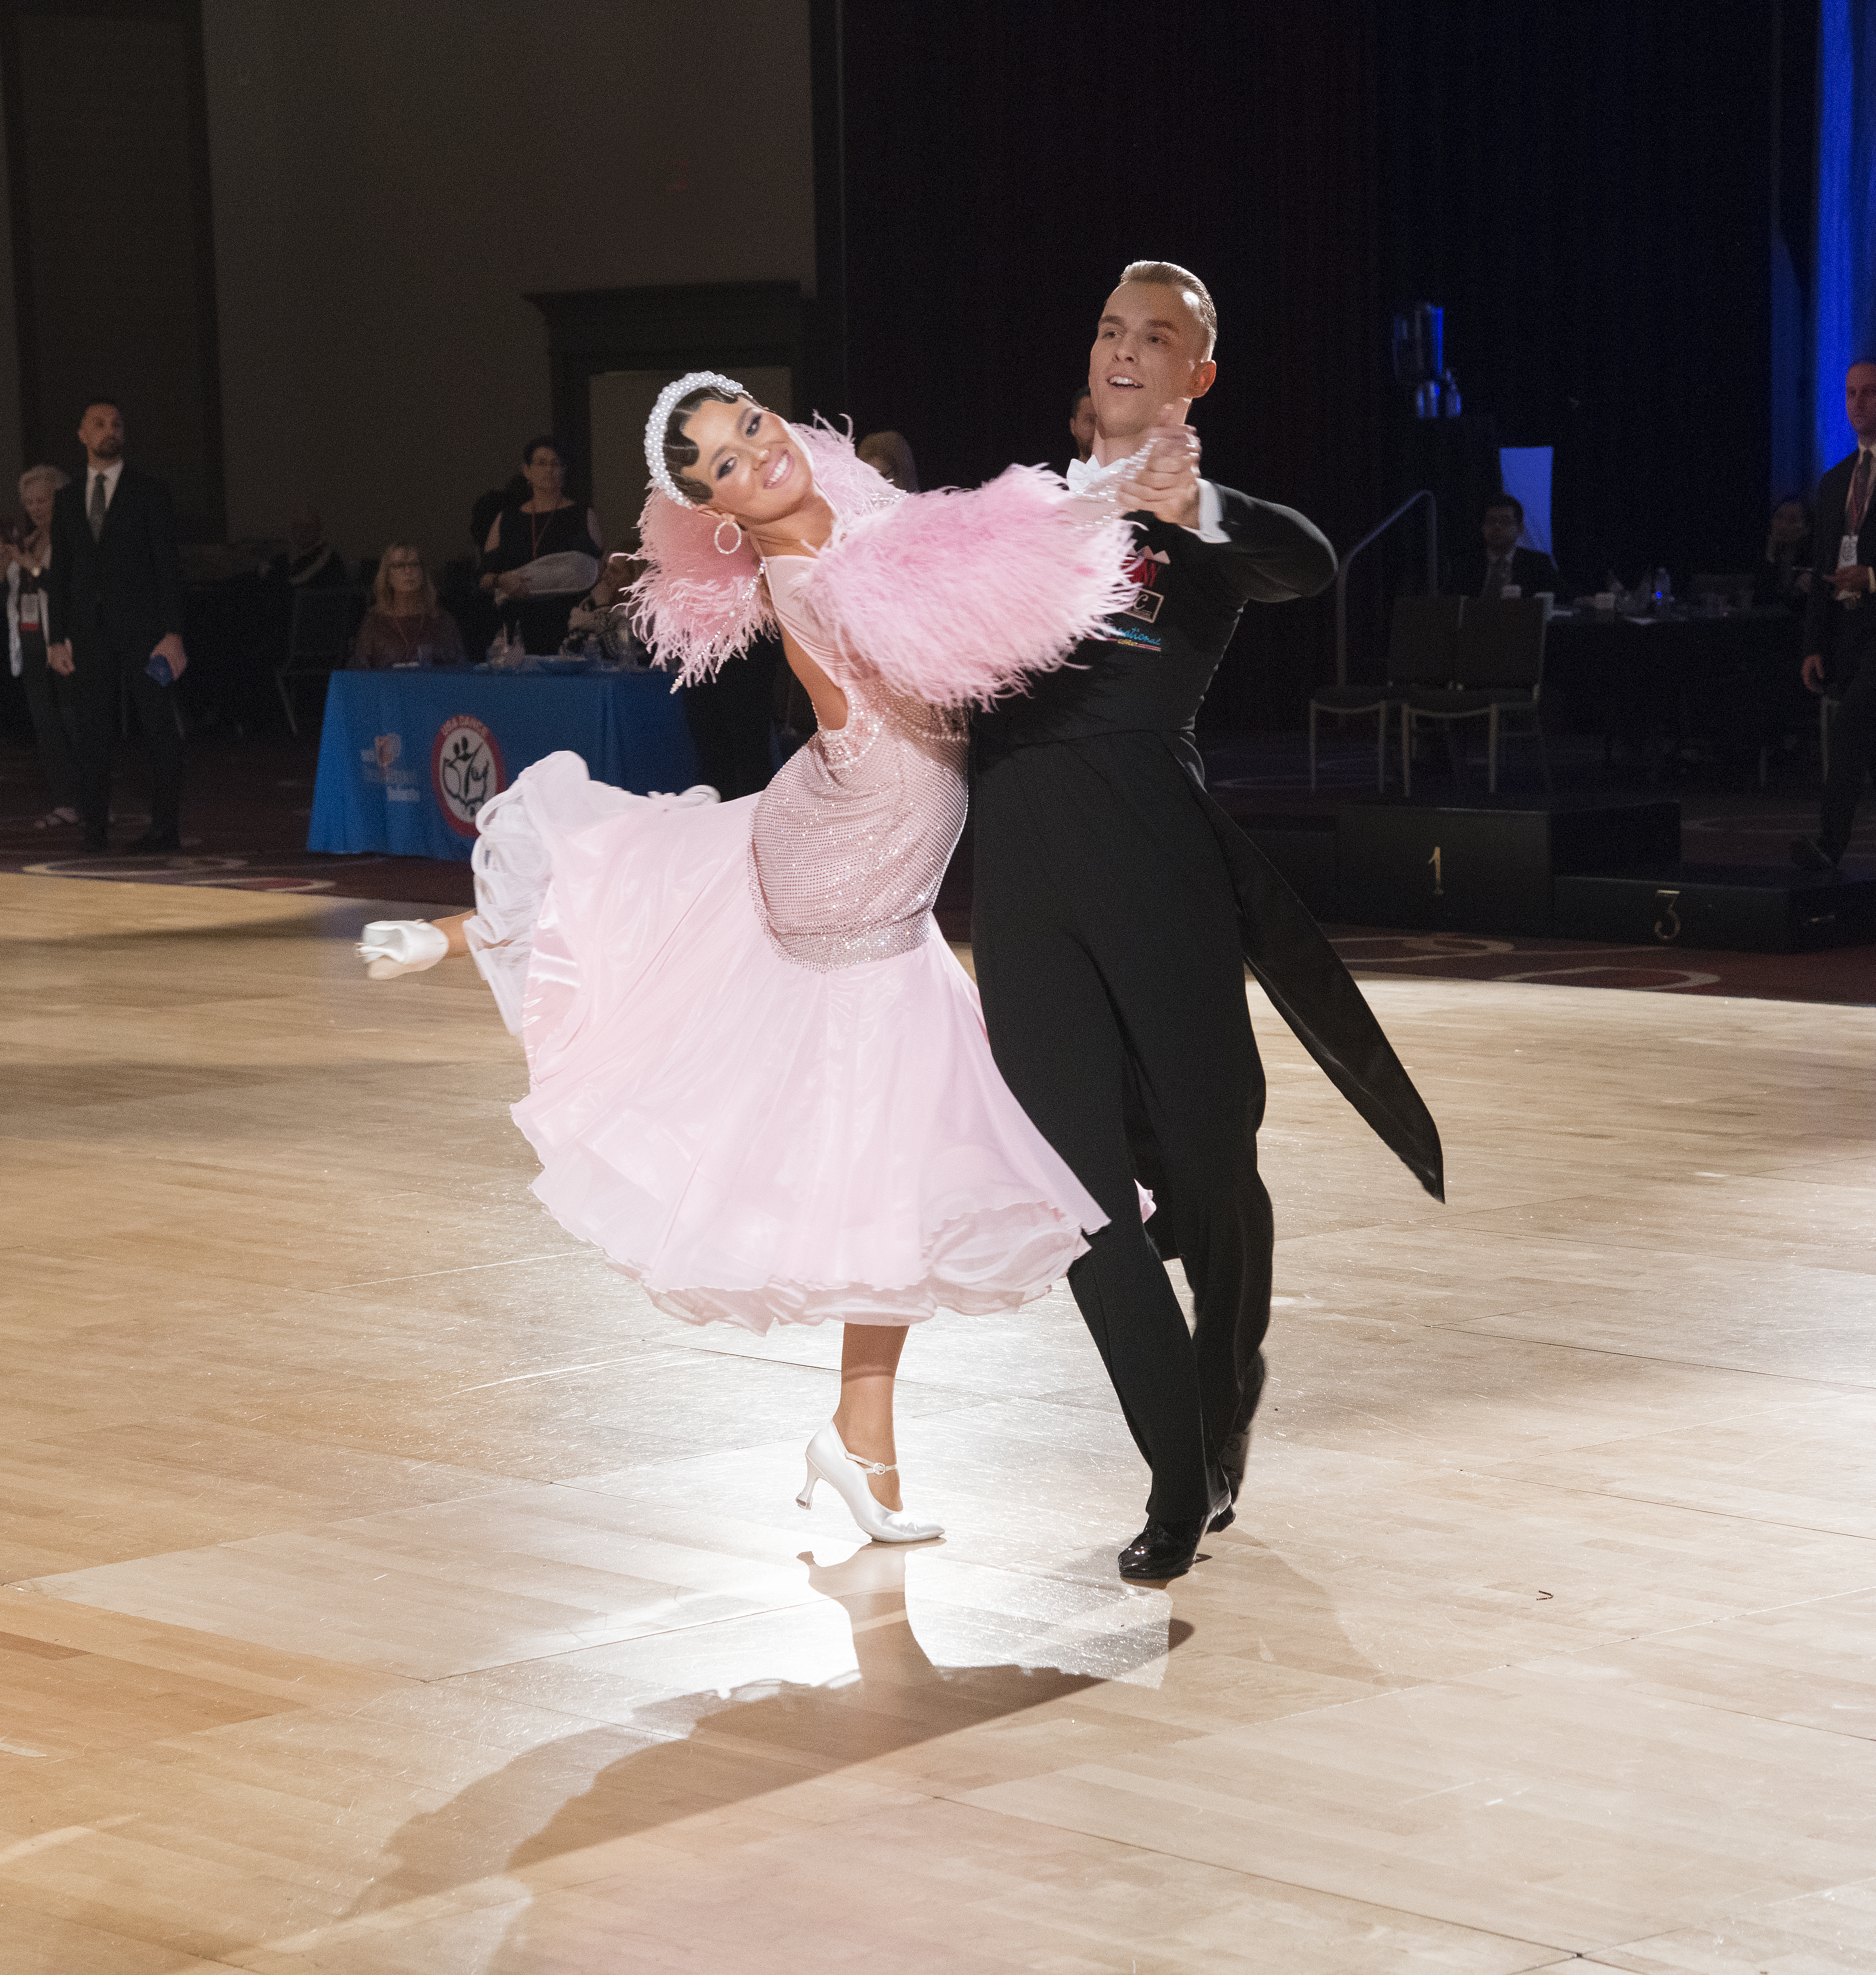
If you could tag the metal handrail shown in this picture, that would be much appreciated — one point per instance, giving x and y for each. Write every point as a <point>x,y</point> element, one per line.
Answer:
<point>1373,535</point>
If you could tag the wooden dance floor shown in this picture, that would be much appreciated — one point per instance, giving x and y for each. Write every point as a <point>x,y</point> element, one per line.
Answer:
<point>389,1591</point>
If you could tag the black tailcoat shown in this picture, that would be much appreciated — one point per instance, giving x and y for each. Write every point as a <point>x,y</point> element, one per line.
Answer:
<point>1115,908</point>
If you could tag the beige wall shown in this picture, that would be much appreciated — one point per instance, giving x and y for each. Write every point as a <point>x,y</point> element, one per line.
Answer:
<point>391,176</point>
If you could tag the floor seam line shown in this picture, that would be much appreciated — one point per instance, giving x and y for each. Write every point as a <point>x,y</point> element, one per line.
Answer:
<point>1650,1358</point>
<point>1269,1879</point>
<point>1686,1508</point>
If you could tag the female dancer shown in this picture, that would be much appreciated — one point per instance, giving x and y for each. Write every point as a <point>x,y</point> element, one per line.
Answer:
<point>759,1078</point>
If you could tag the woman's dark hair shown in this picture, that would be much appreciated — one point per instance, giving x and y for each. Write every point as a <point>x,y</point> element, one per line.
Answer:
<point>533,445</point>
<point>680,452</point>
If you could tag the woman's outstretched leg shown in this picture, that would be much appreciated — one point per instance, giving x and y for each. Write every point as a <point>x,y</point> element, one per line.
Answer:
<point>869,1362</point>
<point>452,930</point>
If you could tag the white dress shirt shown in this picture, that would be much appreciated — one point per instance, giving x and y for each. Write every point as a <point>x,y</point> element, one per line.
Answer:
<point>1084,475</point>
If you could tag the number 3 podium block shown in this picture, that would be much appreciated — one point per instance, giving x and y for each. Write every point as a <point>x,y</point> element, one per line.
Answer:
<point>1726,908</point>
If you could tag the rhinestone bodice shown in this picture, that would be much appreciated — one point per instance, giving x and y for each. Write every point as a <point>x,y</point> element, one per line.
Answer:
<point>852,838</point>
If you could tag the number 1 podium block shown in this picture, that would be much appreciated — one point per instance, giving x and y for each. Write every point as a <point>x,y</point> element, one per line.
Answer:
<point>1490,867</point>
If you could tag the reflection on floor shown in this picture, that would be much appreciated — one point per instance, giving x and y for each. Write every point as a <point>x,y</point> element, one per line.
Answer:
<point>388,1588</point>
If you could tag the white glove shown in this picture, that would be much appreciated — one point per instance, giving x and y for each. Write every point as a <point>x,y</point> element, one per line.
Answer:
<point>392,947</point>
<point>695,796</point>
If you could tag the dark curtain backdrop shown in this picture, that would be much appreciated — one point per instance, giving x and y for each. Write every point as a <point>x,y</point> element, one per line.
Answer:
<point>113,236</point>
<point>1004,161</point>
<point>1589,190</point>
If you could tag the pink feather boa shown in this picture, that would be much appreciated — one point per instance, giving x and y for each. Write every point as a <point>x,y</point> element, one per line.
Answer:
<point>954,598</point>
<point>950,597</point>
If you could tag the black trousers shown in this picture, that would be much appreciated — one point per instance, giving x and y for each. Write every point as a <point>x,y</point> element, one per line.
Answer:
<point>1104,930</point>
<point>1853,747</point>
<point>101,677</point>
<point>52,700</point>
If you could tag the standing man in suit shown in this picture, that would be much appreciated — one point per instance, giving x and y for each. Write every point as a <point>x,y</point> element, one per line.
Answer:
<point>1115,907</point>
<point>1840,623</point>
<point>115,592</point>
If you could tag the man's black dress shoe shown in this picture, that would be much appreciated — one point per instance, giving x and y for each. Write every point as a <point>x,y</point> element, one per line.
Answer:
<point>1163,1550</point>
<point>1231,1459</point>
<point>154,843</point>
<point>95,843</point>
<point>1809,855</point>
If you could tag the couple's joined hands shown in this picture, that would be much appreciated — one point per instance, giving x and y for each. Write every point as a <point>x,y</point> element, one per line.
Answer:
<point>1165,484</point>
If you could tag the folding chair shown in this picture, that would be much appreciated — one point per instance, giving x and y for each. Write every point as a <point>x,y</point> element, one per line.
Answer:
<point>1498,674</point>
<point>1422,638</point>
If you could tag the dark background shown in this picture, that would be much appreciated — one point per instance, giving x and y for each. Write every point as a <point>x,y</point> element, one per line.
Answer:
<point>1589,190</point>
<point>106,206</point>
<point>1613,201</point>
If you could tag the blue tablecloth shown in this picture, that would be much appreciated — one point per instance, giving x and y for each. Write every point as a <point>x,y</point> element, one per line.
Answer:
<point>406,758</point>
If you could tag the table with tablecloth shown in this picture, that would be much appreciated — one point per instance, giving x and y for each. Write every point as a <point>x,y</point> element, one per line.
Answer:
<point>1730,683</point>
<point>407,758</point>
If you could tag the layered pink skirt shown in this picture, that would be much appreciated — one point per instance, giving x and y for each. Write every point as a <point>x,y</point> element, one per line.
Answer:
<point>753,1141</point>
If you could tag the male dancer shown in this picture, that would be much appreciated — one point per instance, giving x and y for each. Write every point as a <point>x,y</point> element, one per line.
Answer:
<point>1114,908</point>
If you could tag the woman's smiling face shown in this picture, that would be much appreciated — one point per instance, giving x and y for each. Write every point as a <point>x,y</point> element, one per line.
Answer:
<point>756,469</point>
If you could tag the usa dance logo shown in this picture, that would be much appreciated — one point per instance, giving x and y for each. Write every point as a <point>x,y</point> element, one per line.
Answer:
<point>465,770</point>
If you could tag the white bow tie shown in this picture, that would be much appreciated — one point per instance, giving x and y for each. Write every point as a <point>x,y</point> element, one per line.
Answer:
<point>1084,475</point>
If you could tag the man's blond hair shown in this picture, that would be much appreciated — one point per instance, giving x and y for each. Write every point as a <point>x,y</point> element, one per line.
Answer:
<point>1170,275</point>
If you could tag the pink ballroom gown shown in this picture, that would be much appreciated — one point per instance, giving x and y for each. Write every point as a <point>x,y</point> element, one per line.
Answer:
<point>759,1078</point>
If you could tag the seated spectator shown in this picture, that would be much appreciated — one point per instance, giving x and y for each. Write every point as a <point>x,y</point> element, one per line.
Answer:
<point>50,699</point>
<point>1784,577</point>
<point>310,558</point>
<point>589,613</point>
<point>889,456</point>
<point>1081,423</point>
<point>404,624</point>
<point>1505,569</point>
<point>547,525</point>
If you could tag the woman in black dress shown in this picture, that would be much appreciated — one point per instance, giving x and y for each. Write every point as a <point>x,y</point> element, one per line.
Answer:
<point>546,523</point>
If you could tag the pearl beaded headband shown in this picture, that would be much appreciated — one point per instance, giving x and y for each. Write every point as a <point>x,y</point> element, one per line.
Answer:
<point>692,380</point>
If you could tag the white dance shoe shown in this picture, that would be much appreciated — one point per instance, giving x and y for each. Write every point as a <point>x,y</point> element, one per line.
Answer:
<point>845,1474</point>
<point>392,947</point>
<point>697,796</point>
